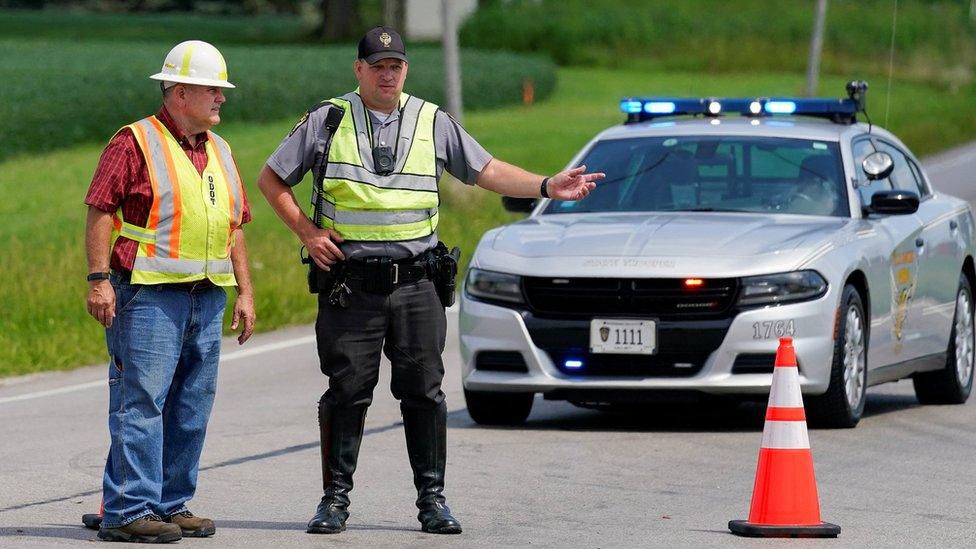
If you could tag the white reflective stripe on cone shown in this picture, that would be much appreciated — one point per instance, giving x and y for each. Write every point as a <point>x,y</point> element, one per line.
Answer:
<point>785,391</point>
<point>786,435</point>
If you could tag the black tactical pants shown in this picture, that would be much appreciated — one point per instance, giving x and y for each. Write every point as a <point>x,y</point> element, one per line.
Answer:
<point>408,325</point>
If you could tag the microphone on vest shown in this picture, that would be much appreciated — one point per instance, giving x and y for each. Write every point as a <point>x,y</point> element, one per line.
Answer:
<point>332,119</point>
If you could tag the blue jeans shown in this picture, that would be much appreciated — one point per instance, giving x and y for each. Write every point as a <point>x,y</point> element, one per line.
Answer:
<point>164,346</point>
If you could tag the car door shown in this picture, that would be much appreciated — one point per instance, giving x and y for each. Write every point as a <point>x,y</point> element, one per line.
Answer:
<point>892,272</point>
<point>940,255</point>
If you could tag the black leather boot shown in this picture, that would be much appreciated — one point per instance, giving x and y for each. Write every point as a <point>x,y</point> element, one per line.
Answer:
<point>341,433</point>
<point>426,431</point>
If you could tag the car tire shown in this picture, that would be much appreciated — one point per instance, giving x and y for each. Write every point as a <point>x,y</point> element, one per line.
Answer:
<point>953,384</point>
<point>489,408</point>
<point>843,403</point>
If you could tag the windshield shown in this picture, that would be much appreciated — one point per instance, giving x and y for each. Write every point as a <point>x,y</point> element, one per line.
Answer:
<point>708,173</point>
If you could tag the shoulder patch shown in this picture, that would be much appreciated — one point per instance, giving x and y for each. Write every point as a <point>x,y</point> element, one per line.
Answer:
<point>305,116</point>
<point>301,121</point>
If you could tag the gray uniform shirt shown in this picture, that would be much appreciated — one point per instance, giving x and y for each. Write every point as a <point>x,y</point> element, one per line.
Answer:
<point>456,151</point>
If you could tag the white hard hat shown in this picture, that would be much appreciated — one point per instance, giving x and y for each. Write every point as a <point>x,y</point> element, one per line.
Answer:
<point>194,62</point>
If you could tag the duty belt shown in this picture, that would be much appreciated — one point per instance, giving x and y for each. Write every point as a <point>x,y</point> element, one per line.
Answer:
<point>382,274</point>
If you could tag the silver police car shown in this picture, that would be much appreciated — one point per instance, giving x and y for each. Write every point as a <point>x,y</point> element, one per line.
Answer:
<point>723,225</point>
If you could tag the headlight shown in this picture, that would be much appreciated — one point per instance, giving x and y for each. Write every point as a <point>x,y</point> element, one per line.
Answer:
<point>781,288</point>
<point>494,286</point>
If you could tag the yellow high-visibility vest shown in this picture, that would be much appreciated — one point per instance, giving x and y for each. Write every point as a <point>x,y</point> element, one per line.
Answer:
<point>188,236</point>
<point>363,205</point>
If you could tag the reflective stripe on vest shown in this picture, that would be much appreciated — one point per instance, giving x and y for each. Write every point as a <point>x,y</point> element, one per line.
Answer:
<point>192,218</point>
<point>363,205</point>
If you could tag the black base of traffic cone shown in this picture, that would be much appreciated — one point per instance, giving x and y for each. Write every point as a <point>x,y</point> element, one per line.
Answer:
<point>92,521</point>
<point>748,529</point>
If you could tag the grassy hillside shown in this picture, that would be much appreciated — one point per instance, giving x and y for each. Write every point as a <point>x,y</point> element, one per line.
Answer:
<point>57,93</point>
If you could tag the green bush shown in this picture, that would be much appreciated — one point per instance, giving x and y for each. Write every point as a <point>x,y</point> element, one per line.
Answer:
<point>59,93</point>
<point>934,39</point>
<point>67,24</point>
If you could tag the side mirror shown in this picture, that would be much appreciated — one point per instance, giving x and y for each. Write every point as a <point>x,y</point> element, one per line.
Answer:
<point>878,165</point>
<point>519,205</point>
<point>893,202</point>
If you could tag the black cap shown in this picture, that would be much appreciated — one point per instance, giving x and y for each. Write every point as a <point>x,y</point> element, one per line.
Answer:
<point>381,43</point>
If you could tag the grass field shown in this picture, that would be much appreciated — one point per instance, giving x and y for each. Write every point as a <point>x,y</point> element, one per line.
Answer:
<point>46,82</point>
<point>43,323</point>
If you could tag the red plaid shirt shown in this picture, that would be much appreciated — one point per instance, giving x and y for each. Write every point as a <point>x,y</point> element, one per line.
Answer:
<point>122,179</point>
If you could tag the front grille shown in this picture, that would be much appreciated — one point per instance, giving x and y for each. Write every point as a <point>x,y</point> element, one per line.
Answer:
<point>683,346</point>
<point>500,361</point>
<point>754,363</point>
<point>655,297</point>
<point>660,365</point>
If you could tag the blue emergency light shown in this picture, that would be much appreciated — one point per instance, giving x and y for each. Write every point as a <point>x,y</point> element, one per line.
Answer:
<point>841,110</point>
<point>573,364</point>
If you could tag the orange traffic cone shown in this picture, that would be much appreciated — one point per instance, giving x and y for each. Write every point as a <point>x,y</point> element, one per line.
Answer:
<point>784,498</point>
<point>93,521</point>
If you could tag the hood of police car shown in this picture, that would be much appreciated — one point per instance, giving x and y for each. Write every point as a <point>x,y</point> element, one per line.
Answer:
<point>659,243</point>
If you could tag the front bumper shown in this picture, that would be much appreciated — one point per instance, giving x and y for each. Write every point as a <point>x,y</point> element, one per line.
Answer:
<point>693,355</point>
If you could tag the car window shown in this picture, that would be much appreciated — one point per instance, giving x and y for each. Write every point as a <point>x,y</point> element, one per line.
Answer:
<point>708,173</point>
<point>865,188</point>
<point>918,175</point>
<point>902,177</point>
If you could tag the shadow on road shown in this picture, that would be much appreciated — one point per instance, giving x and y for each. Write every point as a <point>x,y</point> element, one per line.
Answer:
<point>885,404</point>
<point>60,531</point>
<point>298,526</point>
<point>677,417</point>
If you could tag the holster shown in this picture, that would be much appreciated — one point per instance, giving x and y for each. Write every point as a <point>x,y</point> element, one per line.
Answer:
<point>320,281</point>
<point>444,269</point>
<point>313,275</point>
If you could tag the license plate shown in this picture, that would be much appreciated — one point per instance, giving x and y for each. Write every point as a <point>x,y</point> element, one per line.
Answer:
<point>631,337</point>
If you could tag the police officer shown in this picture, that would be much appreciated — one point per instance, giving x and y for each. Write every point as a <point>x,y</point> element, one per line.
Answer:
<point>378,230</point>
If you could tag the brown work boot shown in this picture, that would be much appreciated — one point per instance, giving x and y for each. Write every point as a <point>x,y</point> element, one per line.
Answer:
<point>192,526</point>
<point>148,529</point>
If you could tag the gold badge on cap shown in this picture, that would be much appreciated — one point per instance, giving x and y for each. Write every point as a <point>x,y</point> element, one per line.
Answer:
<point>386,39</point>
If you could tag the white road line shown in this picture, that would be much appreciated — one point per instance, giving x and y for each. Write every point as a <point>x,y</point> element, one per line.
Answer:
<point>62,390</point>
<point>269,347</point>
<point>101,383</point>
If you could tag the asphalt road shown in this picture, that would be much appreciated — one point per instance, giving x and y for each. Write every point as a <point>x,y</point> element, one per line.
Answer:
<point>662,477</point>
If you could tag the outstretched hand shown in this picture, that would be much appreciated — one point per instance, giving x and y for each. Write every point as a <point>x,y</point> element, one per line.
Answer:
<point>573,184</point>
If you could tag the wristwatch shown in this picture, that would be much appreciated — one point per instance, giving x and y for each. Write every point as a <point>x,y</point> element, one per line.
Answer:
<point>543,190</point>
<point>98,276</point>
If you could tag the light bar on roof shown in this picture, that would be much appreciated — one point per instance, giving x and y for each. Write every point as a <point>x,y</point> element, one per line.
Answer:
<point>659,107</point>
<point>780,107</point>
<point>639,109</point>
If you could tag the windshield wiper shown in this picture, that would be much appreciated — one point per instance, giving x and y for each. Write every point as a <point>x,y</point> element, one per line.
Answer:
<point>703,210</point>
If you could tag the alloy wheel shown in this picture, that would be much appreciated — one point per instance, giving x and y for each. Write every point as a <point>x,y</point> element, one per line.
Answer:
<point>854,360</point>
<point>964,338</point>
